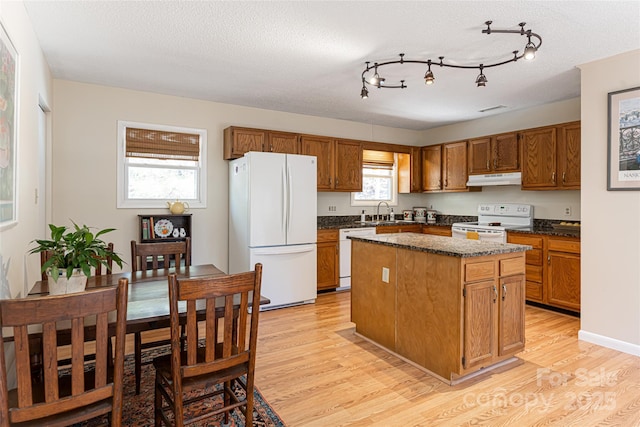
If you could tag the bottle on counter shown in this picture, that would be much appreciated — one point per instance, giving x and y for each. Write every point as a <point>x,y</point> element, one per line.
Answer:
<point>362,216</point>
<point>391,215</point>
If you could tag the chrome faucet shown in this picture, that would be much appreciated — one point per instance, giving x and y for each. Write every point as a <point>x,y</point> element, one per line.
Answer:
<point>378,210</point>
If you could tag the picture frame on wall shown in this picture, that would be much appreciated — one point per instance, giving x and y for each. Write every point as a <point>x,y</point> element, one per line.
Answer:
<point>624,140</point>
<point>8,130</point>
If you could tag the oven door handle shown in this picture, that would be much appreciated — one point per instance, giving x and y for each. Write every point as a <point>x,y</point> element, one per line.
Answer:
<point>479,231</point>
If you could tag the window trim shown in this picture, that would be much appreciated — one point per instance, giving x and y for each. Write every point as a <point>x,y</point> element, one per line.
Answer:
<point>394,188</point>
<point>122,179</point>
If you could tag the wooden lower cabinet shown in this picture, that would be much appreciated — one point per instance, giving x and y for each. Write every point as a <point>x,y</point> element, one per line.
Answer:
<point>452,316</point>
<point>552,270</point>
<point>404,228</point>
<point>328,259</point>
<point>563,273</point>
<point>437,230</point>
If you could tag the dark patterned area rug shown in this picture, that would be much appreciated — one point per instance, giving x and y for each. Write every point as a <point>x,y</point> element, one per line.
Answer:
<point>138,410</point>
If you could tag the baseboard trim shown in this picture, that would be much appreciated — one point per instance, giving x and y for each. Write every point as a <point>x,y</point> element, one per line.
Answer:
<point>612,343</point>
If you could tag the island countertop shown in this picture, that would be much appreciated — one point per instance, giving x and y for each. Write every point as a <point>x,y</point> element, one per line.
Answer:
<point>462,248</point>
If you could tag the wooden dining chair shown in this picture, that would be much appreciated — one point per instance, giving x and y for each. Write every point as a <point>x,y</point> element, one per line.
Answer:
<point>155,255</point>
<point>160,254</point>
<point>220,366</point>
<point>70,393</point>
<point>45,255</point>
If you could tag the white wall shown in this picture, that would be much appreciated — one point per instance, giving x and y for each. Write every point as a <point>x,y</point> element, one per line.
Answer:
<point>34,83</point>
<point>84,155</point>
<point>547,204</point>
<point>611,219</point>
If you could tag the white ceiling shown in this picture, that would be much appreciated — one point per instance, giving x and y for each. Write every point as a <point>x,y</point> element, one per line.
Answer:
<point>307,56</point>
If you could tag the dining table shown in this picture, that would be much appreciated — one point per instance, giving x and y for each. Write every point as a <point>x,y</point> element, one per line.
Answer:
<point>148,300</point>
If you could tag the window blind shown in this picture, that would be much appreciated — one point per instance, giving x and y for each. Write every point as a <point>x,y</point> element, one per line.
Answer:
<point>155,144</point>
<point>377,159</point>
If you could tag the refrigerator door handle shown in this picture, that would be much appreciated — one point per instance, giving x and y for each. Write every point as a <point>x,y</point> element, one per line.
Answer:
<point>284,199</point>
<point>289,200</point>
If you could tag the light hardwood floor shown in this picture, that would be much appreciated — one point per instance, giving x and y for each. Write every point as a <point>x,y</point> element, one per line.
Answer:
<point>314,371</point>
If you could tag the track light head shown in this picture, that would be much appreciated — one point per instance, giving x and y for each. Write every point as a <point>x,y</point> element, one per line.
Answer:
<point>530,51</point>
<point>481,80</point>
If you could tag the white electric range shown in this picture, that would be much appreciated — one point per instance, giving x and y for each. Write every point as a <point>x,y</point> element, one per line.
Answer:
<point>494,219</point>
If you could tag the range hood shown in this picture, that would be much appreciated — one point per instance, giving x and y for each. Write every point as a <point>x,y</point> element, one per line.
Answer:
<point>513,178</point>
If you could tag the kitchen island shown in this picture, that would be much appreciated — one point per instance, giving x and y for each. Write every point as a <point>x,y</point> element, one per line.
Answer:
<point>452,307</point>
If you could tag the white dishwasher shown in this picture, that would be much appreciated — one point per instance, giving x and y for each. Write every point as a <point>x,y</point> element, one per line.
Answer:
<point>345,252</point>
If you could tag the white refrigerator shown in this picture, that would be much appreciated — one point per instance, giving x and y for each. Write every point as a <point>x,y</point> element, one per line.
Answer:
<point>272,220</point>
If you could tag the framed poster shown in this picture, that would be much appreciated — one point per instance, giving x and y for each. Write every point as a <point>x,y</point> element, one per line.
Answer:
<point>624,140</point>
<point>8,129</point>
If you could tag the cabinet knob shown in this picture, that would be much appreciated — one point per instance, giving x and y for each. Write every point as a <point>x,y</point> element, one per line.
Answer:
<point>495,293</point>
<point>563,176</point>
<point>553,177</point>
<point>487,164</point>
<point>548,259</point>
<point>504,291</point>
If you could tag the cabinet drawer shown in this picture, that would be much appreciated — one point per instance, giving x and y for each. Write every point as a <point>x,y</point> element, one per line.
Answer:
<point>535,241</point>
<point>533,291</point>
<point>534,273</point>
<point>327,236</point>
<point>512,266</point>
<point>479,271</point>
<point>534,256</point>
<point>572,246</point>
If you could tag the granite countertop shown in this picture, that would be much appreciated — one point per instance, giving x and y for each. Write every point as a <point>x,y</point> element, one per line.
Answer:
<point>542,226</point>
<point>462,248</point>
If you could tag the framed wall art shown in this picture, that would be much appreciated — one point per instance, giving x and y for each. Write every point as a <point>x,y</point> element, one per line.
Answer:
<point>8,129</point>
<point>624,140</point>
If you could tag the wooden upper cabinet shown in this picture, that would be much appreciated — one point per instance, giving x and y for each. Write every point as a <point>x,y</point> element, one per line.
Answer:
<point>238,141</point>
<point>432,168</point>
<point>282,142</point>
<point>569,156</point>
<point>454,166</point>
<point>506,152</point>
<point>410,171</point>
<point>497,153</point>
<point>322,148</point>
<point>348,165</point>
<point>539,158</point>
<point>551,157</point>
<point>480,159</point>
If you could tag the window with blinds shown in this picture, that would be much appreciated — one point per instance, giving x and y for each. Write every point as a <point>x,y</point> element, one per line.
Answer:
<point>160,163</point>
<point>379,179</point>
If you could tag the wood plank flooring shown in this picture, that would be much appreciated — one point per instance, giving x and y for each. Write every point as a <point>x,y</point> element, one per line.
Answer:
<point>314,371</point>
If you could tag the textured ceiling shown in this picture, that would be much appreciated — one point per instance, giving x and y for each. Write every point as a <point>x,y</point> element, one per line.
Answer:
<point>307,56</point>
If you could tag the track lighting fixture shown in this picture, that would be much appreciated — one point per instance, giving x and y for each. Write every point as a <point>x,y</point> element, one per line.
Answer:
<point>376,80</point>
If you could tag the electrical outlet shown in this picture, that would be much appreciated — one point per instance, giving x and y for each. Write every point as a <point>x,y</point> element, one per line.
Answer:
<point>567,211</point>
<point>385,274</point>
<point>332,208</point>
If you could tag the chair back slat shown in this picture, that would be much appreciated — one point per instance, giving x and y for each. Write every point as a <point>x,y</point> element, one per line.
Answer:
<point>86,315</point>
<point>211,331</point>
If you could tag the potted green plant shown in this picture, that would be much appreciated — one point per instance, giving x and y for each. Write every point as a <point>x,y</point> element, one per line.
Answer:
<point>72,255</point>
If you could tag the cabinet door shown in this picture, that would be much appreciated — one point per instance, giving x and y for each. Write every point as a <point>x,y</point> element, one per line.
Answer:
<point>506,153</point>
<point>569,156</point>
<point>511,315</point>
<point>322,148</point>
<point>238,141</point>
<point>282,142</point>
<point>479,323</point>
<point>348,165</point>
<point>454,166</point>
<point>480,156</point>
<point>539,158</point>
<point>327,265</point>
<point>563,280</point>
<point>432,168</point>
<point>410,171</point>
